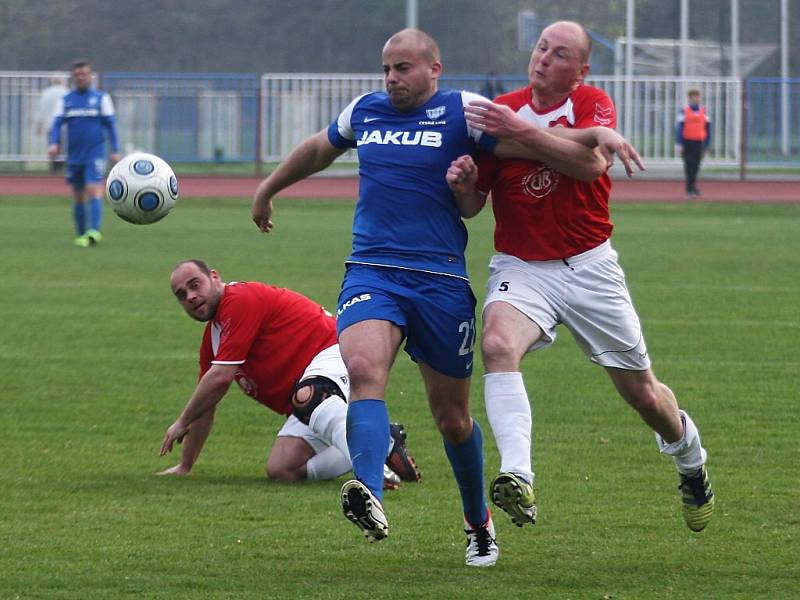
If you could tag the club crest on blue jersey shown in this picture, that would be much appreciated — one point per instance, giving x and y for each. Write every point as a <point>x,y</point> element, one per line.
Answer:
<point>435,113</point>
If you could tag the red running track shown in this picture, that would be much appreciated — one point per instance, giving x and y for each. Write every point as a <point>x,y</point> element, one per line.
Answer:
<point>623,190</point>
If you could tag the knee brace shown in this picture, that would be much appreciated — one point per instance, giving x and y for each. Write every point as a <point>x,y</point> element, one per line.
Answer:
<point>320,389</point>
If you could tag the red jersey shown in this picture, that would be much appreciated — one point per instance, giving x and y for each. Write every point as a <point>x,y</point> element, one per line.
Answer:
<point>541,214</point>
<point>273,333</point>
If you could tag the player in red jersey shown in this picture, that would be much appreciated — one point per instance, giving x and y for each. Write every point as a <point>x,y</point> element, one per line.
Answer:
<point>555,264</point>
<point>280,347</point>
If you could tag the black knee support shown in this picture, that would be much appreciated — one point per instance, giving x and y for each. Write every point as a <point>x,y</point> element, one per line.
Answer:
<point>321,388</point>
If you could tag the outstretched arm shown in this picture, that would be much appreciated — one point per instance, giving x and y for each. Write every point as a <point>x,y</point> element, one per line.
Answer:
<point>311,156</point>
<point>209,391</point>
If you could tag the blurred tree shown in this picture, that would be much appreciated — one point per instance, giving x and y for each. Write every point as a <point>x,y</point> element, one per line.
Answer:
<point>333,35</point>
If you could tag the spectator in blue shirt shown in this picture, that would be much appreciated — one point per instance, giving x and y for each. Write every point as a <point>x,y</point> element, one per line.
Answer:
<point>88,114</point>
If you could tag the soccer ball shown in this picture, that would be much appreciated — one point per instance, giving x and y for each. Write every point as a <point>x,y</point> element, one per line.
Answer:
<point>142,188</point>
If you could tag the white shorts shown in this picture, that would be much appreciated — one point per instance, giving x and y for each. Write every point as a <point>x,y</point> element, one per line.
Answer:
<point>328,364</point>
<point>586,292</point>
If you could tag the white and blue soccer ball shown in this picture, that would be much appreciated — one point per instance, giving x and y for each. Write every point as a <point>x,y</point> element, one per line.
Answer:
<point>142,188</point>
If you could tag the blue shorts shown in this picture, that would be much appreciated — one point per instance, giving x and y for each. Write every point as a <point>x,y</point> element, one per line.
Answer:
<point>79,175</point>
<point>435,312</point>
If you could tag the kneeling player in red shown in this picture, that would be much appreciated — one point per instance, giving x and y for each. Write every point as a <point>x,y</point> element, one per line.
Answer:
<point>280,347</point>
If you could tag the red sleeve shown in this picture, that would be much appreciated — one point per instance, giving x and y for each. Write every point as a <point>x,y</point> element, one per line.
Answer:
<point>594,108</point>
<point>206,354</point>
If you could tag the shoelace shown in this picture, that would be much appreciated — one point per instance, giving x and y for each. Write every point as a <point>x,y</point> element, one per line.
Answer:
<point>483,540</point>
<point>696,486</point>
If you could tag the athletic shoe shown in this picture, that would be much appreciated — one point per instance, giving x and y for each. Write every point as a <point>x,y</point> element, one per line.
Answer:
<point>399,460</point>
<point>391,480</point>
<point>82,241</point>
<point>95,237</point>
<point>482,549</point>
<point>515,496</point>
<point>364,510</point>
<point>698,499</point>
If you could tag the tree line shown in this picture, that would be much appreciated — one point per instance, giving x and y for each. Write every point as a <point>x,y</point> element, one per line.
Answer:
<point>336,36</point>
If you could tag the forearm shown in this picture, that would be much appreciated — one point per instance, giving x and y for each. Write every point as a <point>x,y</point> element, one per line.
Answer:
<point>111,129</point>
<point>54,136</point>
<point>469,202</point>
<point>586,135</point>
<point>196,438</point>
<point>462,178</point>
<point>209,391</point>
<point>567,156</point>
<point>311,156</point>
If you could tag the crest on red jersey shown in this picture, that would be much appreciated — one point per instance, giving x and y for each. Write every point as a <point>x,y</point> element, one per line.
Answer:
<point>540,182</point>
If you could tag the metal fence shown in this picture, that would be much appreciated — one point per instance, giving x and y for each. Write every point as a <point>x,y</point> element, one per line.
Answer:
<point>647,108</point>
<point>23,130</point>
<point>250,117</point>
<point>298,105</point>
<point>187,118</point>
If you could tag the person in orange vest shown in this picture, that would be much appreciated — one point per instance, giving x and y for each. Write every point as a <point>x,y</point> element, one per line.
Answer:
<point>693,134</point>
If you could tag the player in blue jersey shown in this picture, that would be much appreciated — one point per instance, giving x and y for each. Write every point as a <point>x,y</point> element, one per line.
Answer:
<point>406,277</point>
<point>88,114</point>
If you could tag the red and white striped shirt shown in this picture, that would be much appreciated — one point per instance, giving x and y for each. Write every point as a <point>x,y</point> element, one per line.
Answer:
<point>541,214</point>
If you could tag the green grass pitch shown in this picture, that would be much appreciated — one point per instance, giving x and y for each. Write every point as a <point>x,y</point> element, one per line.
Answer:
<point>97,359</point>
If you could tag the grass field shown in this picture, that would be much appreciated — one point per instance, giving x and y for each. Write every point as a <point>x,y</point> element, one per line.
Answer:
<point>98,359</point>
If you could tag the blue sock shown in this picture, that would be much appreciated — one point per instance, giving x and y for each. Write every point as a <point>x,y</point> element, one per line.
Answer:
<point>79,215</point>
<point>368,442</point>
<point>95,213</point>
<point>466,459</point>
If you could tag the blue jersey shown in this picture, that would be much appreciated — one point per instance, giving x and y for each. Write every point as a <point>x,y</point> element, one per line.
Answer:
<point>406,216</point>
<point>88,115</point>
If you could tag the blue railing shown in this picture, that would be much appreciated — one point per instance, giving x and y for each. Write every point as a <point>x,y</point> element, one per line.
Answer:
<point>773,119</point>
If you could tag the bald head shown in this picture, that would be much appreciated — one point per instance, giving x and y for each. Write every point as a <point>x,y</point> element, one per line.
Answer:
<point>417,41</point>
<point>559,62</point>
<point>411,68</point>
<point>576,34</point>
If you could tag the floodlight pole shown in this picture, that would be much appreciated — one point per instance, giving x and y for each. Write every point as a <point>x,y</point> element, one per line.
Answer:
<point>785,77</point>
<point>411,14</point>
<point>742,124</point>
<point>630,33</point>
<point>735,38</point>
<point>684,38</point>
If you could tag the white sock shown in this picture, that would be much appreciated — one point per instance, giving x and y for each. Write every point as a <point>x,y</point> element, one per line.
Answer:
<point>329,421</point>
<point>510,418</point>
<point>688,452</point>
<point>328,464</point>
